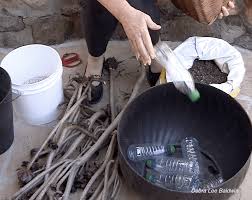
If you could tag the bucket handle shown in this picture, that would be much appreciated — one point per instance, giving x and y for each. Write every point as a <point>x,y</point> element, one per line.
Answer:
<point>13,99</point>
<point>18,94</point>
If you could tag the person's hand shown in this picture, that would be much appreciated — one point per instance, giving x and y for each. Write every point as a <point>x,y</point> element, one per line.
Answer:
<point>136,24</point>
<point>225,10</point>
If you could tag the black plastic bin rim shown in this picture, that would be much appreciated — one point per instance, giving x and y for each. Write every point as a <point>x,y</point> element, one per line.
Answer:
<point>9,89</point>
<point>166,189</point>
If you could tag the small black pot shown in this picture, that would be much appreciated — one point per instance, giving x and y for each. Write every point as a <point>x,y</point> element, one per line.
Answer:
<point>6,112</point>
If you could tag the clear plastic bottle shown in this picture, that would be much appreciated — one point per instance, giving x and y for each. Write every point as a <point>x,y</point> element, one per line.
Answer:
<point>213,182</point>
<point>191,151</point>
<point>174,182</point>
<point>178,74</point>
<point>172,165</point>
<point>139,152</point>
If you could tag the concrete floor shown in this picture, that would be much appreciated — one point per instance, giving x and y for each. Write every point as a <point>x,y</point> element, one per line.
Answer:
<point>28,137</point>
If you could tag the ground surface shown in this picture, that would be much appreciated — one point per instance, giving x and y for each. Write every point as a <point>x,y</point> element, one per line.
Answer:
<point>28,137</point>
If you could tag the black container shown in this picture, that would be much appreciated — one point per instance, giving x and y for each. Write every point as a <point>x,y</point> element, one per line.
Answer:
<point>6,112</point>
<point>162,114</point>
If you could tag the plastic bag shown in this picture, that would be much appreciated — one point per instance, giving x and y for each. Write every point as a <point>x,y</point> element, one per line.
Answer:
<point>227,58</point>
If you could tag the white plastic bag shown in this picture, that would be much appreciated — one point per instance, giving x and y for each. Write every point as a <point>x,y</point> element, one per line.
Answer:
<point>228,59</point>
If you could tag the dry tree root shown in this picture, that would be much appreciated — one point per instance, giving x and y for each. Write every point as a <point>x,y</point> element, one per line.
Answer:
<point>106,187</point>
<point>71,157</point>
<point>108,156</point>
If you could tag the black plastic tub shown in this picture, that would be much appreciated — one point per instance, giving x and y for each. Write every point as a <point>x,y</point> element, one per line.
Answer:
<point>163,114</point>
<point>6,112</point>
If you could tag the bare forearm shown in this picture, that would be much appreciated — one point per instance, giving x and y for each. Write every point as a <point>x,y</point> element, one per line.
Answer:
<point>117,8</point>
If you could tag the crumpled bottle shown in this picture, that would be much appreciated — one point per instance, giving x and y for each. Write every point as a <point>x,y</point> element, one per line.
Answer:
<point>213,182</point>
<point>178,74</point>
<point>191,151</point>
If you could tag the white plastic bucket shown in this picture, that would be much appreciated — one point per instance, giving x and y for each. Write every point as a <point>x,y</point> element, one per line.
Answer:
<point>36,75</point>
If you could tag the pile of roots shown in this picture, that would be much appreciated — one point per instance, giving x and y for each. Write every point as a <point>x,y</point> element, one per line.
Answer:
<point>80,153</point>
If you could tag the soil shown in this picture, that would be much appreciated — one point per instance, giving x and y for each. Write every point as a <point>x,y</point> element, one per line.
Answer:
<point>207,72</point>
<point>111,63</point>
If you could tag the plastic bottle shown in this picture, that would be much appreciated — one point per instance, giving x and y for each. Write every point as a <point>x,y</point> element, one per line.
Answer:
<point>174,182</point>
<point>178,74</point>
<point>172,165</point>
<point>138,152</point>
<point>213,182</point>
<point>191,151</point>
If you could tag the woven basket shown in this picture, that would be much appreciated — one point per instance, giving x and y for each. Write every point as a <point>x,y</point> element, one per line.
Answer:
<point>204,11</point>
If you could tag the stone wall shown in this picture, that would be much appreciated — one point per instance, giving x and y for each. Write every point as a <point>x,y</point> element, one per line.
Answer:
<point>55,21</point>
<point>38,21</point>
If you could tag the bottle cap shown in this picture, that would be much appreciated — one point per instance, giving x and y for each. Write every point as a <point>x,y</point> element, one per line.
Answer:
<point>194,95</point>
<point>150,163</point>
<point>171,149</point>
<point>149,176</point>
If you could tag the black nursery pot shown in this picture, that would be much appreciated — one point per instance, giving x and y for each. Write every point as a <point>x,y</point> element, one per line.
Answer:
<point>6,112</point>
<point>162,114</point>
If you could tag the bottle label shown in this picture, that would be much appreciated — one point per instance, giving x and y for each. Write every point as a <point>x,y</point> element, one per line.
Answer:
<point>139,151</point>
<point>158,152</point>
<point>149,151</point>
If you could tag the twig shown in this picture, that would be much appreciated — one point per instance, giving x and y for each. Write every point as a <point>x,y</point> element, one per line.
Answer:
<point>38,171</point>
<point>63,172</point>
<point>101,169</point>
<point>71,136</point>
<point>49,162</point>
<point>97,191</point>
<point>36,180</point>
<point>42,154</point>
<point>67,114</point>
<point>87,145</point>
<point>85,132</point>
<point>50,194</point>
<point>62,136</point>
<point>116,187</point>
<point>106,188</point>
<point>112,95</point>
<point>111,180</point>
<point>62,180</point>
<point>89,109</point>
<point>75,115</point>
<point>73,147</point>
<point>71,102</point>
<point>48,184</point>
<point>94,117</point>
<point>70,181</point>
<point>43,188</point>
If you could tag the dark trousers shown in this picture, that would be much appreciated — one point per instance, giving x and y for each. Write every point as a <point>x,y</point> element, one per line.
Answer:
<point>99,24</point>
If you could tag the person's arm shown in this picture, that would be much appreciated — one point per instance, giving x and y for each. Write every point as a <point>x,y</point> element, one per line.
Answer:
<point>116,7</point>
<point>135,24</point>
